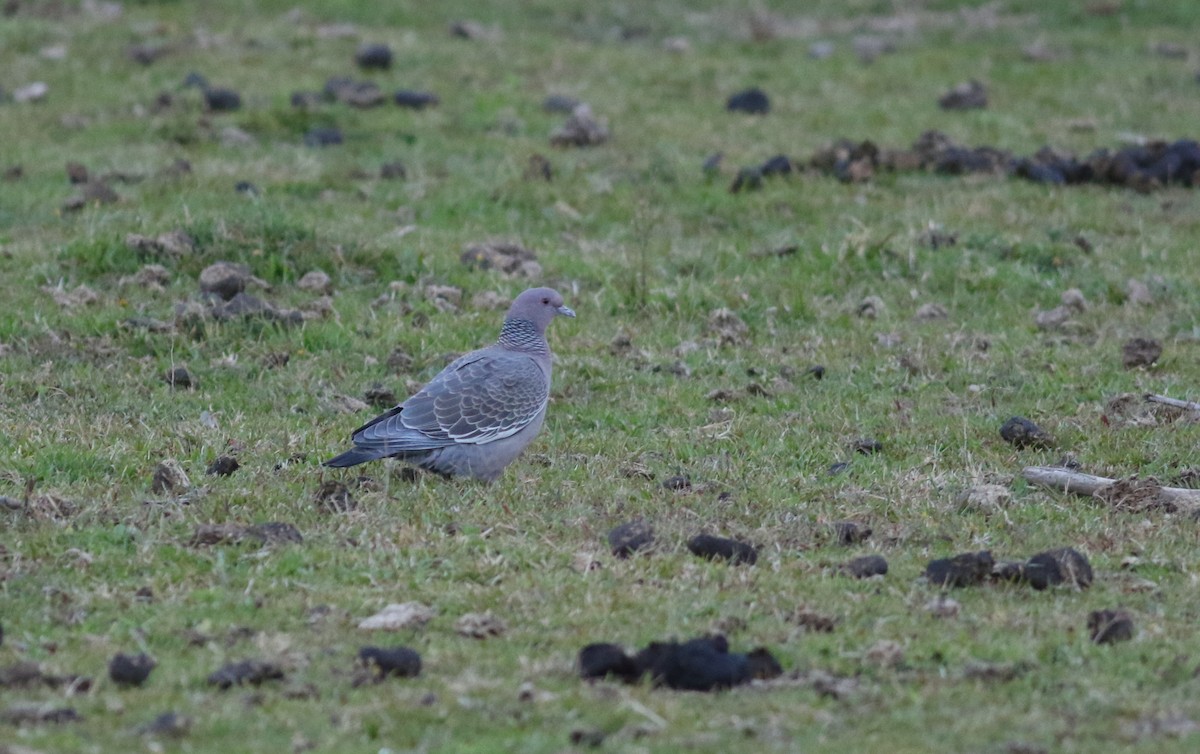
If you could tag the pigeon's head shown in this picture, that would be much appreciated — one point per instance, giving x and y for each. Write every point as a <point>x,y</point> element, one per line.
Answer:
<point>539,306</point>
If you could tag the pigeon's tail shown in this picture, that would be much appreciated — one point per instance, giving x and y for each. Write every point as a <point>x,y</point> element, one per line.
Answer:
<point>353,457</point>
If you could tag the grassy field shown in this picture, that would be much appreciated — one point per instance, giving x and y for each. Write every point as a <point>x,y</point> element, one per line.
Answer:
<point>651,382</point>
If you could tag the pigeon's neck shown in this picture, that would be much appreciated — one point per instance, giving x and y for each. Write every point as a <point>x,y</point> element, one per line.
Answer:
<point>523,335</point>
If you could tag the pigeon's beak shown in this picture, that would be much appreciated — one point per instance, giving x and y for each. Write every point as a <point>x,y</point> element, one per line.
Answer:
<point>565,311</point>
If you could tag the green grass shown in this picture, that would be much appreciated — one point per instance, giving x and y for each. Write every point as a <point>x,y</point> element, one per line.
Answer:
<point>641,244</point>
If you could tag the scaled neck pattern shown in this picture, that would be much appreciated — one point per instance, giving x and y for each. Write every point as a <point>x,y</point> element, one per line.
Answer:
<point>523,335</point>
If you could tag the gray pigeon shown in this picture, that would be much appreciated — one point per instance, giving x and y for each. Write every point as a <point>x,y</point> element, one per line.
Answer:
<point>480,412</point>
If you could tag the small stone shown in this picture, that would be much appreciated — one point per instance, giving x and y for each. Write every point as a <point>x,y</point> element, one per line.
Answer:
<point>400,662</point>
<point>817,371</point>
<point>930,312</point>
<point>1110,626</point>
<point>1073,299</point>
<point>415,100</point>
<point>966,569</point>
<point>246,187</point>
<point>130,670</point>
<point>943,606</point>
<point>870,307</point>
<point>180,378</point>
<point>1140,352</point>
<point>34,92</point>
<point>1023,433</point>
<point>1138,293</point>
<point>1053,319</point>
<point>631,537</point>
<point>868,48</point>
<point>984,498</point>
<point>374,56</point>
<point>677,45</point>
<point>865,567</point>
<point>480,625</point>
<point>246,672</point>
<point>821,49</point>
<point>720,548</point>
<point>315,281</point>
<point>169,478</point>
<point>754,101</point>
<point>396,617</point>
<point>223,466</point>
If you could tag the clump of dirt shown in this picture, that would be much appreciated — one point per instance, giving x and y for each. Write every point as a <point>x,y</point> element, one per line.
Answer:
<point>847,533</point>
<point>245,673</point>
<point>508,257</point>
<point>414,99</point>
<point>631,537</point>
<point>1142,167</point>
<point>1140,352</point>
<point>703,664</point>
<point>965,569</point>
<point>269,533</point>
<point>727,327</point>
<point>1023,433</point>
<point>480,625</point>
<point>581,129</point>
<point>719,548</point>
<point>813,621</point>
<point>969,95</point>
<point>223,465</point>
<point>384,662</point>
<point>1137,495</point>
<point>865,566</point>
<point>1110,626</point>
<point>334,497</point>
<point>130,670</point>
<point>753,101</point>
<point>373,56</point>
<point>399,616</point>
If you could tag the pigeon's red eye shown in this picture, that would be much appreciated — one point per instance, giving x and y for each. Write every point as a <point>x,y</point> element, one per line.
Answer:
<point>546,301</point>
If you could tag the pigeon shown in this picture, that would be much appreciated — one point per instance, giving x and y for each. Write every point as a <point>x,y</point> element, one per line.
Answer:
<point>476,416</point>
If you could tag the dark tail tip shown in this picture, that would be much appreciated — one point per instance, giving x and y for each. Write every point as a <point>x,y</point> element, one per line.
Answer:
<point>352,457</point>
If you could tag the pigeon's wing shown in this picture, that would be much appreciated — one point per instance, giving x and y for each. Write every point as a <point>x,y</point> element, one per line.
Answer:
<point>482,397</point>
